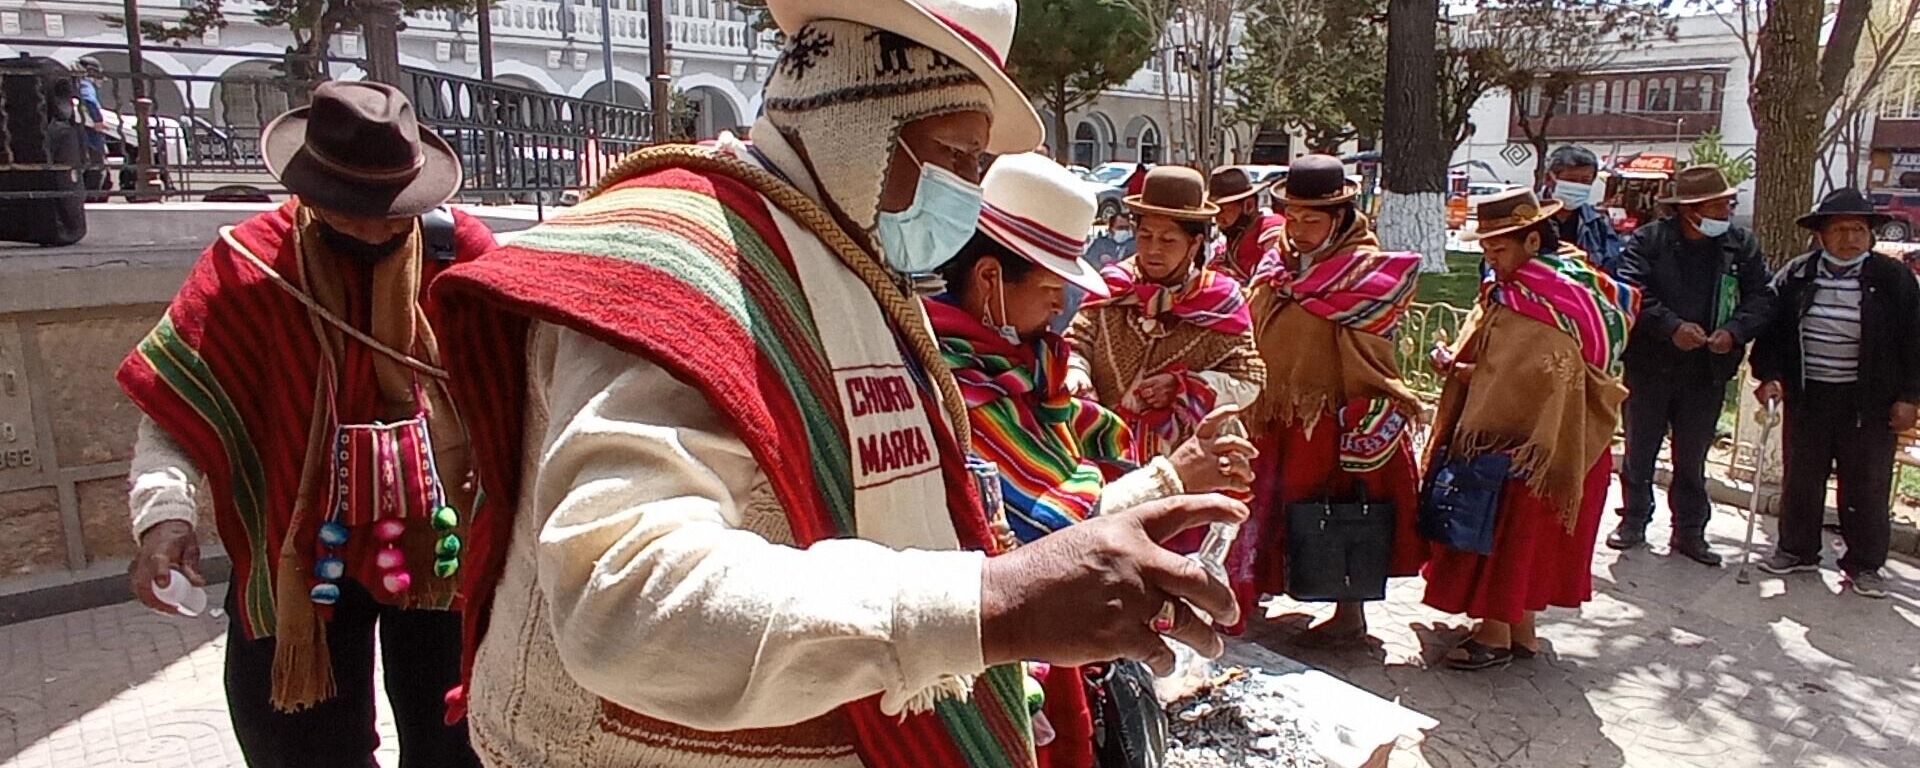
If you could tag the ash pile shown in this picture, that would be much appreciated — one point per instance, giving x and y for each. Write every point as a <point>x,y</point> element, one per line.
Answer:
<point>1239,718</point>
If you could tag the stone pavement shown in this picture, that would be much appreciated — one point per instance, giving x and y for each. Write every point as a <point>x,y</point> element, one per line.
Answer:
<point>1672,664</point>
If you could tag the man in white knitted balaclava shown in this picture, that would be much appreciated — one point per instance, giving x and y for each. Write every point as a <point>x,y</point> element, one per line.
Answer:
<point>842,91</point>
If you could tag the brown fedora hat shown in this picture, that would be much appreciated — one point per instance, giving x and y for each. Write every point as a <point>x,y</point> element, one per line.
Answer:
<point>1176,191</point>
<point>1317,180</point>
<point>1230,184</point>
<point>358,149</point>
<point>1698,184</point>
<point>1504,212</point>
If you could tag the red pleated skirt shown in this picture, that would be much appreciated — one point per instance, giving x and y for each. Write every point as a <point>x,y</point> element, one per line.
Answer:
<point>1535,563</point>
<point>1295,467</point>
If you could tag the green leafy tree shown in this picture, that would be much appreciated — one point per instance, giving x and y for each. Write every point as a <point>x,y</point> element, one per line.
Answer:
<point>1065,52</point>
<point>313,23</point>
<point>1313,66</point>
<point>1708,150</point>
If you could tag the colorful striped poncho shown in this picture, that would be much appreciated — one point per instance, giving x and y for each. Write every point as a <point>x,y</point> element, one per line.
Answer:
<point>229,373</point>
<point>1566,292</point>
<point>1360,288</point>
<point>681,260</point>
<point>1209,299</point>
<point>1054,450</point>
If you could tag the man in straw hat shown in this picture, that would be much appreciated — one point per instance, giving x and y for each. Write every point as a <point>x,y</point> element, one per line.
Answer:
<point>1172,340</point>
<point>1333,416</point>
<point>1844,352</point>
<point>736,522</point>
<point>296,376</point>
<point>1704,296</point>
<point>1246,233</point>
<point>1531,402</point>
<point>1055,452</point>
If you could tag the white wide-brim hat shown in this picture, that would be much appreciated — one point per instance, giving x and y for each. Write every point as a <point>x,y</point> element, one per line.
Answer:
<point>975,33</point>
<point>1042,212</point>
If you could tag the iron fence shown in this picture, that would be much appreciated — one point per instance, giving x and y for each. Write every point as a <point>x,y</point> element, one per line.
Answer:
<point>515,144</point>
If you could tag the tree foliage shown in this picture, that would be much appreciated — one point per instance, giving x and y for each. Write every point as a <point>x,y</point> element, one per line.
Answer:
<point>1707,150</point>
<point>1313,66</point>
<point>1066,52</point>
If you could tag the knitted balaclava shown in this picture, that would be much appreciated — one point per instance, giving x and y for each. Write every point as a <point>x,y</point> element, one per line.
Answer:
<point>845,90</point>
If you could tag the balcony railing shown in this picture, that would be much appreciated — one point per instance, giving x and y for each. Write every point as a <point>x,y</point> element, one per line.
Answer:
<point>543,20</point>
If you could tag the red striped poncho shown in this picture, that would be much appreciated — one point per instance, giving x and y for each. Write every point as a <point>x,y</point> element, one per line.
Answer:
<point>229,374</point>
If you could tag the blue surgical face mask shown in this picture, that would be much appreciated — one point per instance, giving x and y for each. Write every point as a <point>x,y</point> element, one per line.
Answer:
<point>1572,194</point>
<point>935,227</point>
<point>1713,227</point>
<point>1122,235</point>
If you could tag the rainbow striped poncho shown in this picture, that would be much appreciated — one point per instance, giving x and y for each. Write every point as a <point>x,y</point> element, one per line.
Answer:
<point>1054,451</point>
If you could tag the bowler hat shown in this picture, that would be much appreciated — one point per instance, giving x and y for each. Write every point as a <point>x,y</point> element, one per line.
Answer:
<point>1230,184</point>
<point>1317,180</point>
<point>1176,191</point>
<point>359,150</point>
<point>1506,212</point>
<point>1845,201</point>
<point>1699,184</point>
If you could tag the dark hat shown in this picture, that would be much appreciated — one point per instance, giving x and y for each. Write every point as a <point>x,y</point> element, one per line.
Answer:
<point>1317,180</point>
<point>1505,212</point>
<point>1231,184</point>
<point>1845,201</point>
<point>1698,184</point>
<point>1174,190</point>
<point>358,149</point>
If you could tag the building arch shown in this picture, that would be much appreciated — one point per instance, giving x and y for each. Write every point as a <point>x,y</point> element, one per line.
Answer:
<point>116,89</point>
<point>624,93</point>
<point>1145,142</point>
<point>1093,140</point>
<point>538,77</point>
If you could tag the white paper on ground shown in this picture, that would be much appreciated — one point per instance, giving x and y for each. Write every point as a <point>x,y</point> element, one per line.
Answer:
<point>1347,723</point>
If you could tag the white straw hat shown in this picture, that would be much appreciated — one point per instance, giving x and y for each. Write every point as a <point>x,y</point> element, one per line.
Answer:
<point>1041,211</point>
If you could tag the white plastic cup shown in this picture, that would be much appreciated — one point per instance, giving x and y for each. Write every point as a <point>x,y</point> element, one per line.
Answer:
<point>187,600</point>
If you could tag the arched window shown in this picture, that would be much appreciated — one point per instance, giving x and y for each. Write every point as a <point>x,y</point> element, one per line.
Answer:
<point>1688,98</point>
<point>1706,94</point>
<point>1619,96</point>
<point>1583,101</point>
<point>1633,96</point>
<point>1600,98</point>
<point>1671,90</point>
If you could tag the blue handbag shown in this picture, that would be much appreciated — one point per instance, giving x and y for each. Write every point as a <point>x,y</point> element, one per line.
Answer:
<point>1461,499</point>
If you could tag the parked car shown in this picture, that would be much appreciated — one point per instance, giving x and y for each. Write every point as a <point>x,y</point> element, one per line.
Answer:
<point>1903,207</point>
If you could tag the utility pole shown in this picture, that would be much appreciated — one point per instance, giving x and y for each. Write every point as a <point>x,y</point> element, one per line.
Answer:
<point>657,62</point>
<point>606,49</point>
<point>381,20</point>
<point>142,105</point>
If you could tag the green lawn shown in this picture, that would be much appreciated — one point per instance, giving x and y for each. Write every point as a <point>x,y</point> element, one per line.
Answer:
<point>1459,286</point>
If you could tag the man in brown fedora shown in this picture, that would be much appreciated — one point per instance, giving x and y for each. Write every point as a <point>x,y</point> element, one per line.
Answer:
<point>1704,296</point>
<point>296,378</point>
<point>1844,352</point>
<point>1246,232</point>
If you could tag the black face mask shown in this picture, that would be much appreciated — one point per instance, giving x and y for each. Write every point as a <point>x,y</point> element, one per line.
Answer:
<point>359,250</point>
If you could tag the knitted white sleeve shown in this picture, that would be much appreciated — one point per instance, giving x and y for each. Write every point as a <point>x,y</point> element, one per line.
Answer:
<point>661,603</point>
<point>1157,480</point>
<point>162,480</point>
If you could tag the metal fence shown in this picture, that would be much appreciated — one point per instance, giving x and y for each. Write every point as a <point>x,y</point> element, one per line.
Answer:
<point>515,144</point>
<point>1422,327</point>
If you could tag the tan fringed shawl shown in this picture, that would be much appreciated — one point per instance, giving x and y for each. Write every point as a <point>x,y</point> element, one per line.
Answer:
<point>1533,395</point>
<point>1315,364</point>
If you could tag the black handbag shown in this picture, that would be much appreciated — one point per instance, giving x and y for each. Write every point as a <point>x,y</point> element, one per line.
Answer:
<point>1339,550</point>
<point>1461,499</point>
<point>1129,725</point>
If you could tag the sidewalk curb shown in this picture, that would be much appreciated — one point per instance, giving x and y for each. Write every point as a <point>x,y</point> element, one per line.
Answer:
<point>1905,539</point>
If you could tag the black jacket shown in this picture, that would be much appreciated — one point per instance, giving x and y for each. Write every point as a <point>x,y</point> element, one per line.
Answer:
<point>1652,262</point>
<point>1889,330</point>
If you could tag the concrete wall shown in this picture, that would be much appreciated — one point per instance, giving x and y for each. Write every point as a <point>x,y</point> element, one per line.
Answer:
<point>67,318</point>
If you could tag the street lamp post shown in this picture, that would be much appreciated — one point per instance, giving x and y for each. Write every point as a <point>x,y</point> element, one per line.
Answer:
<point>657,62</point>
<point>606,49</point>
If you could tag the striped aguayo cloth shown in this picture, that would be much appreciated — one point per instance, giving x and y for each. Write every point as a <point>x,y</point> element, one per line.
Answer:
<point>1565,292</point>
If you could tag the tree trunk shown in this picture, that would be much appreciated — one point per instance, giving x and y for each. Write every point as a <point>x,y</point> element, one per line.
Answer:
<point>1413,213</point>
<point>1787,113</point>
<point>1061,143</point>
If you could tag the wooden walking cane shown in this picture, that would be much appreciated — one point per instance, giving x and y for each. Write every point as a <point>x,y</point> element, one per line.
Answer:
<point>1768,416</point>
